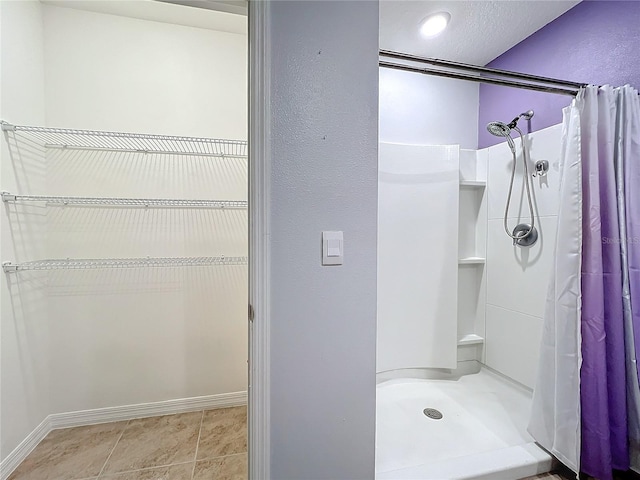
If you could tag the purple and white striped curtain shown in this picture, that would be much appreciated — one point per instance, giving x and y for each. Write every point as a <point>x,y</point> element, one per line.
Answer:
<point>586,407</point>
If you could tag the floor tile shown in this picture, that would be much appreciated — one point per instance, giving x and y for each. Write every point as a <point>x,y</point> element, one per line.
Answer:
<point>156,441</point>
<point>224,432</point>
<point>233,467</point>
<point>173,472</point>
<point>70,453</point>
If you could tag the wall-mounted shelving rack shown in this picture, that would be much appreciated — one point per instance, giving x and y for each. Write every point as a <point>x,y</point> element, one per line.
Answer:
<point>66,138</point>
<point>95,263</point>
<point>96,140</point>
<point>126,202</point>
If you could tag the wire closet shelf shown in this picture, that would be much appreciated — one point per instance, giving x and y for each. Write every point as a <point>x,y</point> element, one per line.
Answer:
<point>66,138</point>
<point>127,202</point>
<point>91,263</point>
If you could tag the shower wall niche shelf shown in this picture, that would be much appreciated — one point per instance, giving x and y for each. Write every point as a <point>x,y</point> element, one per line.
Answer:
<point>470,339</point>
<point>473,184</point>
<point>471,261</point>
<point>65,138</point>
<point>95,263</point>
<point>127,202</point>
<point>472,239</point>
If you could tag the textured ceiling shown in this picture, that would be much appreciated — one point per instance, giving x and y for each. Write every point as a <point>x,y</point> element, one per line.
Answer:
<point>478,32</point>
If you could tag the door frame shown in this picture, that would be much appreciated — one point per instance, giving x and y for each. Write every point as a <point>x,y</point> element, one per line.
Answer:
<point>259,434</point>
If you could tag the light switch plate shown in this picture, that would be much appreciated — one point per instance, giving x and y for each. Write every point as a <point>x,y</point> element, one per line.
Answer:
<point>332,248</point>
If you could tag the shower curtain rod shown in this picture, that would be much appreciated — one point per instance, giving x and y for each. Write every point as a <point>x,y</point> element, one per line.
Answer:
<point>554,87</point>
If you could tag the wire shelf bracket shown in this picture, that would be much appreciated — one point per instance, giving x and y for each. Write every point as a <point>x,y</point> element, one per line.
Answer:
<point>9,267</point>
<point>97,140</point>
<point>127,202</point>
<point>95,263</point>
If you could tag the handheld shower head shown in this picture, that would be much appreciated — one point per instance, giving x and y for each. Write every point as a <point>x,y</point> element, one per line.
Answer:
<point>524,234</point>
<point>499,129</point>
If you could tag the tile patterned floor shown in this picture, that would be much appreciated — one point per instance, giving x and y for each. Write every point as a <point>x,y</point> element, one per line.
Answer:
<point>188,446</point>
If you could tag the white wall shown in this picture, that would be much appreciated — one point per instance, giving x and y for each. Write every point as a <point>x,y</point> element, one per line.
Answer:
<point>23,327</point>
<point>324,177</point>
<point>417,257</point>
<point>117,337</point>
<point>517,278</point>
<point>118,73</point>
<point>144,335</point>
<point>419,109</point>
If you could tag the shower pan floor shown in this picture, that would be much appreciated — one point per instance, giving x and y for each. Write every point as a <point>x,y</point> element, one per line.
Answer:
<point>482,434</point>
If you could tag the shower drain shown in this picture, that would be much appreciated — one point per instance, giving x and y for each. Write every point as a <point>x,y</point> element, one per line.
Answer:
<point>432,413</point>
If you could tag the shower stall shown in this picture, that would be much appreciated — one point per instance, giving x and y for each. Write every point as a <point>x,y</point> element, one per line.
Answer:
<point>465,249</point>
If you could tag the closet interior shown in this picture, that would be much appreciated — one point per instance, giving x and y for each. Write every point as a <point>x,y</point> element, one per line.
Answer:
<point>124,239</point>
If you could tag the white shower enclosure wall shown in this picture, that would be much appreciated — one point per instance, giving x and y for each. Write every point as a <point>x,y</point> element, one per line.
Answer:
<point>459,306</point>
<point>91,345</point>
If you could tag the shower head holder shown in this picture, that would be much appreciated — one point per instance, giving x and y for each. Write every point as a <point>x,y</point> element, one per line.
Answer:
<point>526,115</point>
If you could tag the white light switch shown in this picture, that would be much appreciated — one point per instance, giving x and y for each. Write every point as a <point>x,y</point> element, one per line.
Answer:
<point>332,248</point>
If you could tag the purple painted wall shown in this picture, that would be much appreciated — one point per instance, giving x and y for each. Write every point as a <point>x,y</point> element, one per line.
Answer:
<point>595,42</point>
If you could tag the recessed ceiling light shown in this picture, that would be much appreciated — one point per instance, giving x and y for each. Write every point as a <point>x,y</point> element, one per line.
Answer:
<point>435,24</point>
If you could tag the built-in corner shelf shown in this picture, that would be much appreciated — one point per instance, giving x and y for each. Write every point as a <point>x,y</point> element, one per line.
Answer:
<point>472,247</point>
<point>471,261</point>
<point>470,339</point>
<point>473,184</point>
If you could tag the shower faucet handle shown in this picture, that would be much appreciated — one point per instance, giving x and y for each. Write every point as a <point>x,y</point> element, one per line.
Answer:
<point>541,168</point>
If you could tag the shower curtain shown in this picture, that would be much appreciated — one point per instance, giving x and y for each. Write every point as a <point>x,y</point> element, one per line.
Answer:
<point>586,404</point>
<point>555,414</point>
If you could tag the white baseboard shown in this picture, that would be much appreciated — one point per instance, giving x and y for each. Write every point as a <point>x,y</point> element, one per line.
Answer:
<point>141,410</point>
<point>115,414</point>
<point>15,458</point>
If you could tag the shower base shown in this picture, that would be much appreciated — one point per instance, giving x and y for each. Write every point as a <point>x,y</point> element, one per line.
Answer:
<point>481,435</point>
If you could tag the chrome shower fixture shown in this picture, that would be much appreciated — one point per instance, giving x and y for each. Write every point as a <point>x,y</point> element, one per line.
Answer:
<point>541,168</point>
<point>526,115</point>
<point>524,234</point>
<point>500,129</point>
